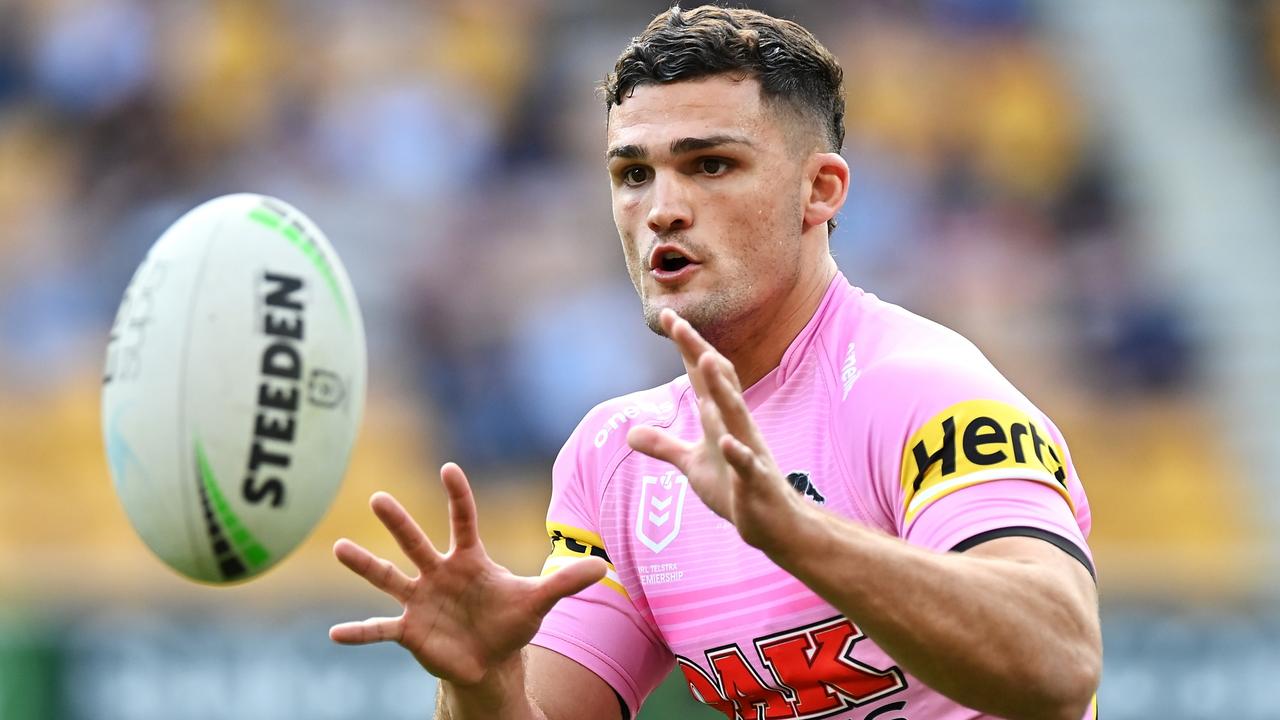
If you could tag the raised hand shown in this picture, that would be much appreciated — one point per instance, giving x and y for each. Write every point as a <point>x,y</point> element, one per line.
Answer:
<point>464,614</point>
<point>731,467</point>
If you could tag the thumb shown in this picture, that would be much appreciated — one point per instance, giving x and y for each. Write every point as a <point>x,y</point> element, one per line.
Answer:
<point>570,579</point>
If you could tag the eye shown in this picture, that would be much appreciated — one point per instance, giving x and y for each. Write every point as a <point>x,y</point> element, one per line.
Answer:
<point>713,166</point>
<point>635,175</point>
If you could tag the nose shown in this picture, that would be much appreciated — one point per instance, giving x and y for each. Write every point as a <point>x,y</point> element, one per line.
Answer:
<point>670,209</point>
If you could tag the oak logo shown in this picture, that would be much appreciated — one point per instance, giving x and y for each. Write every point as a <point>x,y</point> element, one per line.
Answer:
<point>973,442</point>
<point>814,675</point>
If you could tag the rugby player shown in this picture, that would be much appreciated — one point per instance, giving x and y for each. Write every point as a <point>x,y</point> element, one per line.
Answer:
<point>843,510</point>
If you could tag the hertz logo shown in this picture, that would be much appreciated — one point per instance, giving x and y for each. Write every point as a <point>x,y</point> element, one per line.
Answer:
<point>974,442</point>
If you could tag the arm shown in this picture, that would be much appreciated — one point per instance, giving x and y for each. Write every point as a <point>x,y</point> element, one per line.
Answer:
<point>551,685</point>
<point>1009,628</point>
<point>468,620</point>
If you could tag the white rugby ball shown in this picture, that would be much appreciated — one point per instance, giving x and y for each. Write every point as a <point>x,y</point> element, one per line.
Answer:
<point>234,387</point>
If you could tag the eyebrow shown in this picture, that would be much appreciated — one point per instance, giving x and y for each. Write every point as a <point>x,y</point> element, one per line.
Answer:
<point>679,146</point>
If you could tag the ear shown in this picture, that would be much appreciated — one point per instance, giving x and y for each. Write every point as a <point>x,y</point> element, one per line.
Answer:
<point>828,176</point>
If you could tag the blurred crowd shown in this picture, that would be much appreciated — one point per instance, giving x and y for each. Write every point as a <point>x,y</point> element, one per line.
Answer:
<point>452,152</point>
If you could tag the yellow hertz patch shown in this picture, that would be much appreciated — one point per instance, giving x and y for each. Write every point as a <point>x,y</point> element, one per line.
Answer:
<point>973,442</point>
<point>569,543</point>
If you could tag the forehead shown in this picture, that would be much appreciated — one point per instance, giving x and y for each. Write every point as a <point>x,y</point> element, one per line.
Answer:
<point>655,113</point>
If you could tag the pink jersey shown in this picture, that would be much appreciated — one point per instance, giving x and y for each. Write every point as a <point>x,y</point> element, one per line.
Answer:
<point>879,415</point>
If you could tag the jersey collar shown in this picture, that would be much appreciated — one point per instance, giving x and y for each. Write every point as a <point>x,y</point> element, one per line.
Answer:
<point>837,292</point>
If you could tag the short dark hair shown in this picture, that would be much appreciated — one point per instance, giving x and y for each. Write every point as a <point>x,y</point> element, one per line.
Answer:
<point>789,62</point>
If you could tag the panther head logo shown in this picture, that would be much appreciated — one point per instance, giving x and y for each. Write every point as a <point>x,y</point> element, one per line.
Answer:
<point>800,481</point>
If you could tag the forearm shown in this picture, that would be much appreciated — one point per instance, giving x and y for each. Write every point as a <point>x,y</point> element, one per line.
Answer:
<point>995,634</point>
<point>502,695</point>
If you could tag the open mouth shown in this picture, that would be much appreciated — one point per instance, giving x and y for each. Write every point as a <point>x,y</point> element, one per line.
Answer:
<point>669,259</point>
<point>672,262</point>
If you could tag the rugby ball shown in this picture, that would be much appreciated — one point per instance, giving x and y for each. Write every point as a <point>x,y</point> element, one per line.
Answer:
<point>234,387</point>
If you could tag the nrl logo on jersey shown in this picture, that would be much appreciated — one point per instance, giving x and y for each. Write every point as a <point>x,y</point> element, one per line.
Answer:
<point>661,506</point>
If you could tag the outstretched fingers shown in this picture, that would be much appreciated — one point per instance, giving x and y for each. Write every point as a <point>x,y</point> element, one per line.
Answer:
<point>712,424</point>
<point>570,579</point>
<point>749,466</point>
<point>408,534</point>
<point>659,444</point>
<point>687,340</point>
<point>734,414</point>
<point>693,347</point>
<point>462,507</point>
<point>380,573</point>
<point>363,632</point>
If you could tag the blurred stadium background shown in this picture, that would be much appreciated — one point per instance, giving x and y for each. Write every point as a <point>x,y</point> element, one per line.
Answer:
<point>1090,190</point>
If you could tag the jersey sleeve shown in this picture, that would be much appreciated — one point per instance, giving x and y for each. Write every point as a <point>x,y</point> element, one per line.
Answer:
<point>600,627</point>
<point>958,456</point>
<point>1001,508</point>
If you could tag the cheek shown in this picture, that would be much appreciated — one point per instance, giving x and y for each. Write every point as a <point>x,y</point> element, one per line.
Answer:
<point>777,211</point>
<point>625,218</point>
<point>627,237</point>
<point>757,215</point>
<point>626,210</point>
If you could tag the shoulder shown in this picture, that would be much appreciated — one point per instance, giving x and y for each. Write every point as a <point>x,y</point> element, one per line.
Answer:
<point>892,361</point>
<point>929,414</point>
<point>919,387</point>
<point>921,378</point>
<point>912,384</point>
<point>906,407</point>
<point>601,436</point>
<point>938,427</point>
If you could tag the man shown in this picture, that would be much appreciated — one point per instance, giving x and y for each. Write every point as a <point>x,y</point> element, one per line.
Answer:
<point>842,511</point>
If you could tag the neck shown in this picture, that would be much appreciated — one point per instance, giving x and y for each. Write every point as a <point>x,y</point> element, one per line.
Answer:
<point>771,330</point>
